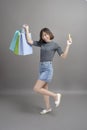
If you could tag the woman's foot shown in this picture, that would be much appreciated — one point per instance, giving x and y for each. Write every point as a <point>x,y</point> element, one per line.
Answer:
<point>58,99</point>
<point>46,111</point>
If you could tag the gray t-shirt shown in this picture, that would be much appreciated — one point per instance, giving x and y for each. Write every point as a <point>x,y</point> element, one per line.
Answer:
<point>47,50</point>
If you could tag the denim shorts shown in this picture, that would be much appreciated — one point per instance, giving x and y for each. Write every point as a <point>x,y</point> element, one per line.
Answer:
<point>46,71</point>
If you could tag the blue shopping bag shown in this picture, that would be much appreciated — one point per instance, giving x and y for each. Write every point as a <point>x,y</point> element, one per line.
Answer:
<point>24,47</point>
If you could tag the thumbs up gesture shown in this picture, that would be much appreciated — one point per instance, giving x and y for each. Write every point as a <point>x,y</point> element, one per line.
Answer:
<point>69,41</point>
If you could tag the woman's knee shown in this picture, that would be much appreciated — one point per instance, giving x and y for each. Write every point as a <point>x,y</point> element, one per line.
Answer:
<point>36,89</point>
<point>39,84</point>
<point>46,86</point>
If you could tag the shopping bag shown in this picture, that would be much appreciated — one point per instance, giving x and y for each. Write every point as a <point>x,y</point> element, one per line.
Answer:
<point>24,47</point>
<point>16,49</point>
<point>19,44</point>
<point>14,40</point>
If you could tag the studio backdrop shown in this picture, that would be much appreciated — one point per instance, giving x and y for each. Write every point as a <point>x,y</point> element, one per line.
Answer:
<point>62,17</point>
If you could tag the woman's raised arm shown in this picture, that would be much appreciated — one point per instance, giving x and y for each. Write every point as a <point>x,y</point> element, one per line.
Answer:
<point>69,42</point>
<point>29,40</point>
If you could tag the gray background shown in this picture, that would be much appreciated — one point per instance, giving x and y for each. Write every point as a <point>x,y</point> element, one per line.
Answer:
<point>62,17</point>
<point>19,105</point>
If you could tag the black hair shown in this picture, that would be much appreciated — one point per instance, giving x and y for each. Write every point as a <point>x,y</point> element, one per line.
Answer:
<point>46,30</point>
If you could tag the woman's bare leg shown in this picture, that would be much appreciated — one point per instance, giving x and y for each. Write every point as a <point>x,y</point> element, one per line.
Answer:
<point>39,87</point>
<point>42,88</point>
<point>46,98</point>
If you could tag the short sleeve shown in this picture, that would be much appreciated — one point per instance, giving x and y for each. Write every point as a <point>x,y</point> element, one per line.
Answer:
<point>36,43</point>
<point>59,50</point>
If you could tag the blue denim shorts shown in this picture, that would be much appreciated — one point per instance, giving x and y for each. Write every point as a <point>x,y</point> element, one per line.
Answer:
<point>46,71</point>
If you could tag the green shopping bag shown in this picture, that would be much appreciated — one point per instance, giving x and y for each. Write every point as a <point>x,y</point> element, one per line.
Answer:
<point>14,39</point>
<point>16,49</point>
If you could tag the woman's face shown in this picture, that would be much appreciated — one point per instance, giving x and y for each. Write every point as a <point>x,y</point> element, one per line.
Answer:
<point>46,37</point>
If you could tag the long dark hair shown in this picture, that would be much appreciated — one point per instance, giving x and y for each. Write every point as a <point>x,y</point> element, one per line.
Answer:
<point>46,30</point>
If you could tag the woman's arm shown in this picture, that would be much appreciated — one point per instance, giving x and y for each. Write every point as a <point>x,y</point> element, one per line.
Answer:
<point>29,40</point>
<point>69,42</point>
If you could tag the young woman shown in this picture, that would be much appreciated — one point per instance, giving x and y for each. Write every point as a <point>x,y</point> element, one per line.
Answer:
<point>47,50</point>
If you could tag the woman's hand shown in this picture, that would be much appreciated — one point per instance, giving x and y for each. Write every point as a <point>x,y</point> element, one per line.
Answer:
<point>25,26</point>
<point>69,41</point>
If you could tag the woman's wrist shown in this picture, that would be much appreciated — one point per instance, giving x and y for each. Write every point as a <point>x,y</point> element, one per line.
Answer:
<point>68,45</point>
<point>27,30</point>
